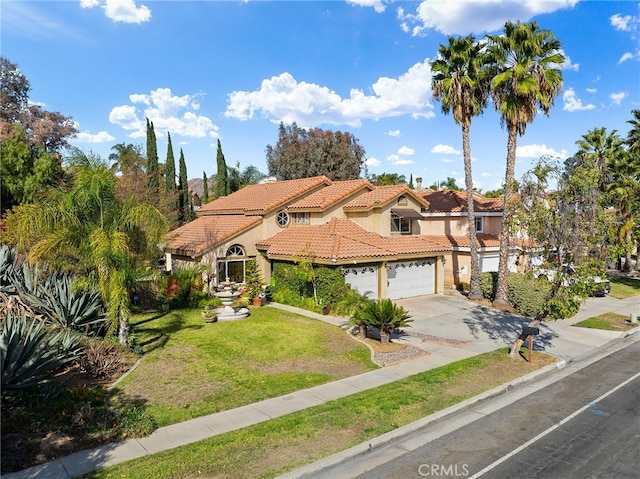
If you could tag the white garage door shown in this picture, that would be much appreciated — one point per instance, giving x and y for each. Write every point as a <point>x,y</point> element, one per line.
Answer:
<point>410,278</point>
<point>364,279</point>
<point>489,262</point>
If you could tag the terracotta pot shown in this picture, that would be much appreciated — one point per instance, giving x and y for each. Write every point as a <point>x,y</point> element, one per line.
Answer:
<point>257,302</point>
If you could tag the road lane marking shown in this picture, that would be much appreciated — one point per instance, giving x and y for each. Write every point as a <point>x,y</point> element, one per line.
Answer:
<point>552,428</point>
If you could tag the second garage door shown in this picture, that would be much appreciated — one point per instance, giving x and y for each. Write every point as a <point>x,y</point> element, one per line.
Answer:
<point>410,278</point>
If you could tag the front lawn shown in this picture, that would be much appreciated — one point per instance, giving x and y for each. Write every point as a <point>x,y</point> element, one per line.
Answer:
<point>191,368</point>
<point>608,321</point>
<point>622,288</point>
<point>273,447</point>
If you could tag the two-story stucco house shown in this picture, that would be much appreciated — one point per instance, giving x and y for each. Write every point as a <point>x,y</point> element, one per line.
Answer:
<point>388,241</point>
<point>373,234</point>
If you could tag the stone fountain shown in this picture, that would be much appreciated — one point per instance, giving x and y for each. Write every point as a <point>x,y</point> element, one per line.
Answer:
<point>227,296</point>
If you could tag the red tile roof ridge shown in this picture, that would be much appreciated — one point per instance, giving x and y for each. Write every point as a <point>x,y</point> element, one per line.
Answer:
<point>263,197</point>
<point>331,194</point>
<point>382,195</point>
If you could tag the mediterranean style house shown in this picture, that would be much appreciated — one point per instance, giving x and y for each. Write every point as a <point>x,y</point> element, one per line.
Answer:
<point>388,241</point>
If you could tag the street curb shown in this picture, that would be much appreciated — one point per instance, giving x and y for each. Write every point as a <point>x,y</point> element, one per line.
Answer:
<point>376,443</point>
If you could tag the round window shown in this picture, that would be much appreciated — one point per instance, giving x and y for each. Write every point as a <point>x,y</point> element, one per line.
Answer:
<point>283,218</point>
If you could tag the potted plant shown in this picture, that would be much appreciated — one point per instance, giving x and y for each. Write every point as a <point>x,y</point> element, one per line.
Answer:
<point>254,282</point>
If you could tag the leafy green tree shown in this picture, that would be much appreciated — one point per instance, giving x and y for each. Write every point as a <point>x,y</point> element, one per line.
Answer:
<point>153,168</point>
<point>23,174</point>
<point>460,83</point>
<point>449,184</point>
<point>31,140</point>
<point>302,154</point>
<point>222,175</point>
<point>551,219</point>
<point>233,178</point>
<point>251,176</point>
<point>106,240</point>
<point>388,179</point>
<point>525,64</point>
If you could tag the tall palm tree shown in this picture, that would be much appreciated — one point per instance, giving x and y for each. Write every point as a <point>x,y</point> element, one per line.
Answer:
<point>460,84</point>
<point>90,229</point>
<point>525,64</point>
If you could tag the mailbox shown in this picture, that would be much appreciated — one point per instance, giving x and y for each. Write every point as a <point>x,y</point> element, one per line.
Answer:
<point>529,331</point>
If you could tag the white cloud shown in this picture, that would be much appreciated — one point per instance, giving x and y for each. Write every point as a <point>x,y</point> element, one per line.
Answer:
<point>371,161</point>
<point>405,150</point>
<point>626,56</point>
<point>567,65</point>
<point>378,5</point>
<point>167,112</point>
<point>486,174</point>
<point>398,161</point>
<point>625,23</point>
<point>618,97</point>
<point>538,151</point>
<point>448,160</point>
<point>125,11</point>
<point>445,150</point>
<point>100,137</point>
<point>283,98</point>
<point>593,91</point>
<point>473,16</point>
<point>573,103</point>
<point>394,133</point>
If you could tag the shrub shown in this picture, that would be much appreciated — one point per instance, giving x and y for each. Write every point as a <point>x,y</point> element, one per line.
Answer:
<point>385,315</point>
<point>101,359</point>
<point>527,294</point>
<point>488,283</point>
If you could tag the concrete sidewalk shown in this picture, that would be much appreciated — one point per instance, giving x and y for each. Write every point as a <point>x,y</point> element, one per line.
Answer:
<point>477,329</point>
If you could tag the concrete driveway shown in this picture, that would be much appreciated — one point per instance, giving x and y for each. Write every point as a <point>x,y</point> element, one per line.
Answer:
<point>460,323</point>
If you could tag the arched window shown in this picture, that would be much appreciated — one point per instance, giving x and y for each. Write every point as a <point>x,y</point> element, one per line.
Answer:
<point>402,200</point>
<point>235,250</point>
<point>233,266</point>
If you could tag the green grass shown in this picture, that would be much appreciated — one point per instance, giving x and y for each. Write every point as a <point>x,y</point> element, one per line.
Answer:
<point>608,322</point>
<point>622,288</point>
<point>191,368</point>
<point>282,444</point>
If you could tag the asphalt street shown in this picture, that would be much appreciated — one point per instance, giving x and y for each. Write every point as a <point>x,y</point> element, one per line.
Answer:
<point>586,425</point>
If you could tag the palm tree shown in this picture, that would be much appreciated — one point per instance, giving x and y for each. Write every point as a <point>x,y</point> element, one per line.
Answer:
<point>89,229</point>
<point>460,84</point>
<point>525,64</point>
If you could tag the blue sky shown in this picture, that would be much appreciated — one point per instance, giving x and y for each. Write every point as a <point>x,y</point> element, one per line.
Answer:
<point>228,70</point>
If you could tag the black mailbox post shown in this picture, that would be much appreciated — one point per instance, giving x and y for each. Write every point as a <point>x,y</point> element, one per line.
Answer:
<point>529,332</point>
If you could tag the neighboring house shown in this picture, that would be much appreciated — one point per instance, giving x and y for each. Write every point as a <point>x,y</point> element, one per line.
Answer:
<point>373,234</point>
<point>447,218</point>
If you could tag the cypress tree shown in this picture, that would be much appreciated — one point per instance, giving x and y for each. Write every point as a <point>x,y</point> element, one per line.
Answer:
<point>205,188</point>
<point>222,179</point>
<point>170,175</point>
<point>153,171</point>
<point>184,212</point>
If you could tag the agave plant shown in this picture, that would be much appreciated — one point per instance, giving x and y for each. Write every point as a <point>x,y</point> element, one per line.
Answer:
<point>62,305</point>
<point>385,315</point>
<point>29,353</point>
<point>11,269</point>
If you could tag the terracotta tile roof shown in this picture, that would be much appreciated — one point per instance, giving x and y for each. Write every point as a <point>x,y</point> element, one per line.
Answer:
<point>382,195</point>
<point>262,198</point>
<point>331,194</point>
<point>204,233</point>
<point>341,241</point>
<point>484,240</point>
<point>450,201</point>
